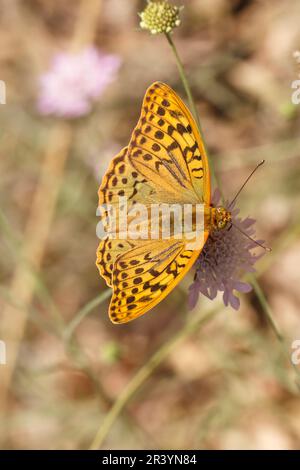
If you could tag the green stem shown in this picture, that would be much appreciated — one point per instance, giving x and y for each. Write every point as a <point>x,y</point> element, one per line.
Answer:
<point>184,80</point>
<point>144,373</point>
<point>269,315</point>
<point>69,331</point>
<point>266,308</point>
<point>191,103</point>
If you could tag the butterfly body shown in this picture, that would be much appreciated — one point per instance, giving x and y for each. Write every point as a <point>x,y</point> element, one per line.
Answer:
<point>164,165</point>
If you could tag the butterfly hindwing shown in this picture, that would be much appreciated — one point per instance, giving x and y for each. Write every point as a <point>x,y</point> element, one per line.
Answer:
<point>109,250</point>
<point>143,276</point>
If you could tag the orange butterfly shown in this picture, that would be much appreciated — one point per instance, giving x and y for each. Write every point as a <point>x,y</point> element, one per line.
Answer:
<point>165,162</point>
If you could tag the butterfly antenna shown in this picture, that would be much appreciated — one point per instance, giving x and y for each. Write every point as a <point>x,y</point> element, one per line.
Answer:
<point>244,184</point>
<point>267,248</point>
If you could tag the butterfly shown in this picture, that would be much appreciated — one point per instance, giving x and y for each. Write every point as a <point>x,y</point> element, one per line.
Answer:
<point>165,162</point>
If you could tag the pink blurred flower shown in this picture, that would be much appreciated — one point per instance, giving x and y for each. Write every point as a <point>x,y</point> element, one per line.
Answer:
<point>225,258</point>
<point>75,81</point>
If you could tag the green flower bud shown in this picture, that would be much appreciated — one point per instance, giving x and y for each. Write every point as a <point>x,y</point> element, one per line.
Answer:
<point>160,17</point>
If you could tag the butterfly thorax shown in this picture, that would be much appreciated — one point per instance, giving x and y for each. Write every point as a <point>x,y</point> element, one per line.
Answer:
<point>219,218</point>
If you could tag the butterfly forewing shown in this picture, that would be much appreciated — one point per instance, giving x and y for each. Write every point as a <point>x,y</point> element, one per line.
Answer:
<point>166,143</point>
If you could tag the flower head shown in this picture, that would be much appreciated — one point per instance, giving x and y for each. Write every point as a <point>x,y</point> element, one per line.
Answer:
<point>75,81</point>
<point>226,256</point>
<point>160,17</point>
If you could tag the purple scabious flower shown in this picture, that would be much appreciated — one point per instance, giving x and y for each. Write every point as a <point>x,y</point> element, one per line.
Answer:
<point>74,81</point>
<point>226,257</point>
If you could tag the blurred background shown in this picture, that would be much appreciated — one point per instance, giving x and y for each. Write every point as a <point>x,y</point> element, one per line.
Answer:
<point>225,385</point>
